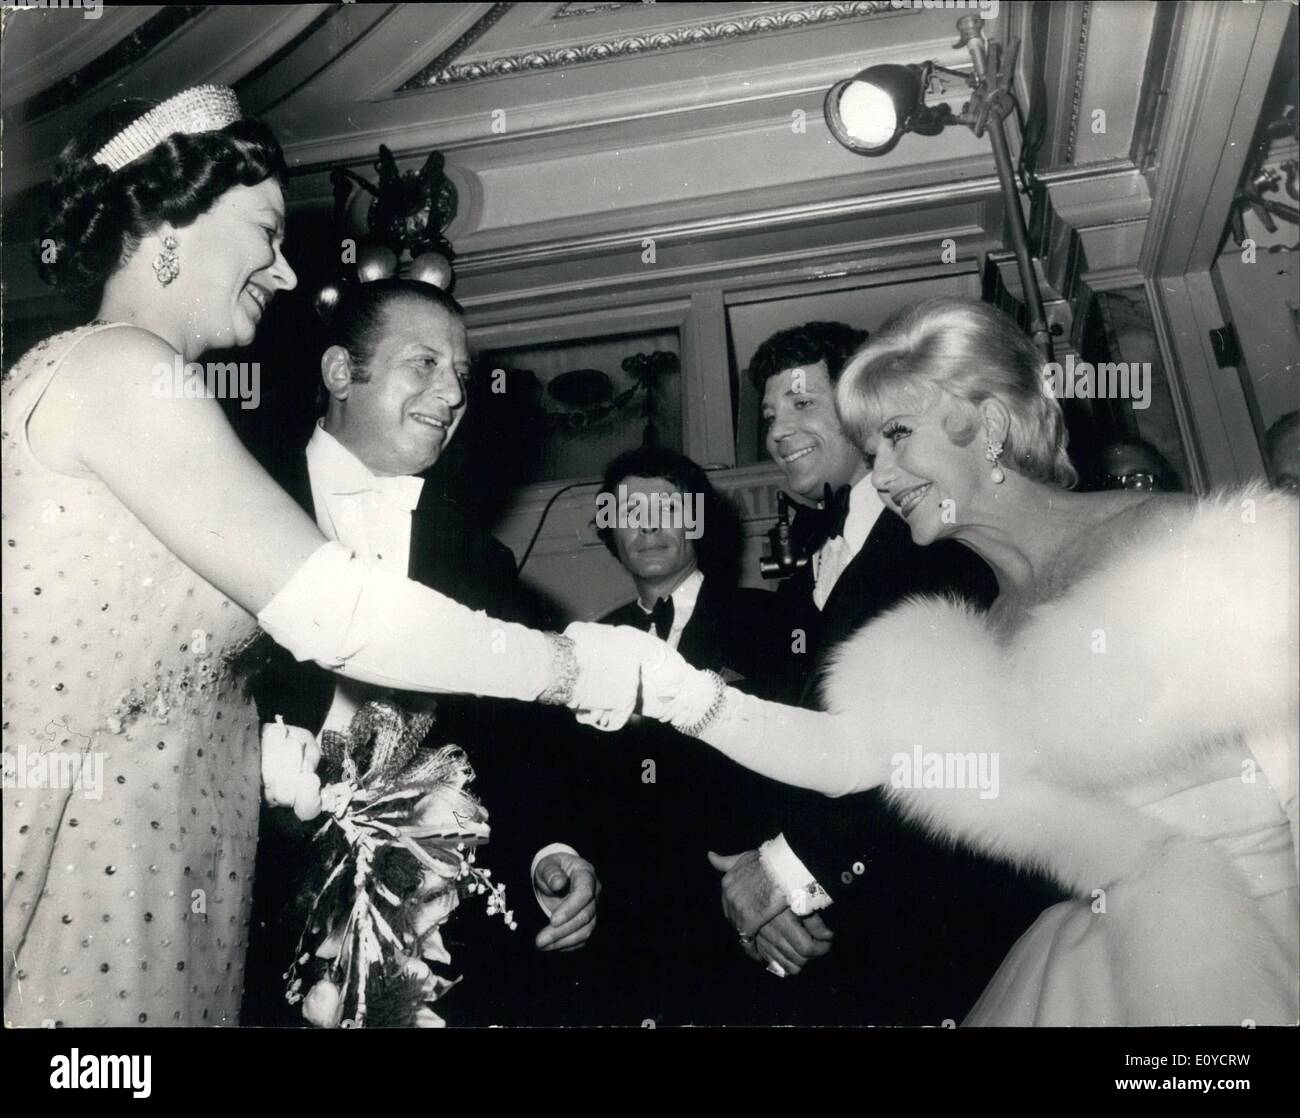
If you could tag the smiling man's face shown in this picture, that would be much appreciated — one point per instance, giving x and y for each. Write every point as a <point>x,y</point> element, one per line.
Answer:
<point>803,435</point>
<point>402,418</point>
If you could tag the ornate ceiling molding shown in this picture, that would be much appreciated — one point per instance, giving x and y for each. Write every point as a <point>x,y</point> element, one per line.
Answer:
<point>443,70</point>
<point>667,230</point>
<point>569,11</point>
<point>429,75</point>
<point>1080,68</point>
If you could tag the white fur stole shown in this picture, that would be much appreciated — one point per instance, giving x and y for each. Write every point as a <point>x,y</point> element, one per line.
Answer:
<point>1179,644</point>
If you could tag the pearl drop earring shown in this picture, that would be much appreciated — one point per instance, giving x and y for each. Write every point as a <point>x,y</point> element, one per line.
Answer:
<point>993,451</point>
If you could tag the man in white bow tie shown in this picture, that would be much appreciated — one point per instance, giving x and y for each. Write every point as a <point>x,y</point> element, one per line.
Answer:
<point>396,379</point>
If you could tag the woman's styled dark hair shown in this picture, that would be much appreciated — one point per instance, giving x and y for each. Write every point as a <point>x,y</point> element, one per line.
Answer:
<point>98,217</point>
<point>358,321</point>
<point>717,549</point>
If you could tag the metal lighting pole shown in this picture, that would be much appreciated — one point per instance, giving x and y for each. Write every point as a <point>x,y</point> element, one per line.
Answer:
<point>987,110</point>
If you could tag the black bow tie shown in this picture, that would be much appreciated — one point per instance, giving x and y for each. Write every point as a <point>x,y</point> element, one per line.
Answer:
<point>813,527</point>
<point>660,618</point>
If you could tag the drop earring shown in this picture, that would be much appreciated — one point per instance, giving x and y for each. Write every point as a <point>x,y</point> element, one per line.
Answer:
<point>993,451</point>
<point>166,266</point>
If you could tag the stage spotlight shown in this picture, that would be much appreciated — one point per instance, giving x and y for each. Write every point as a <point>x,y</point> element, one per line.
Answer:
<point>871,111</point>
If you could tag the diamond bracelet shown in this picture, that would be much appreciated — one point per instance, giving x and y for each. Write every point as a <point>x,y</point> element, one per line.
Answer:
<point>564,671</point>
<point>696,728</point>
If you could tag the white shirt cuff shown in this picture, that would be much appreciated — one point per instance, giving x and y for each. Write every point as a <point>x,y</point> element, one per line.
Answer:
<point>802,891</point>
<point>548,904</point>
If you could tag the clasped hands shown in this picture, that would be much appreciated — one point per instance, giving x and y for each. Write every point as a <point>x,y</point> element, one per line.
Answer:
<point>770,931</point>
<point>619,665</point>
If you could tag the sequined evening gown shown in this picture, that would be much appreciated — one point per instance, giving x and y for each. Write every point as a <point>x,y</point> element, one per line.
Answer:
<point>132,774</point>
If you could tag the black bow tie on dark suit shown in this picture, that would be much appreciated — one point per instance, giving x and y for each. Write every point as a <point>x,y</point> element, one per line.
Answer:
<point>660,618</point>
<point>813,527</point>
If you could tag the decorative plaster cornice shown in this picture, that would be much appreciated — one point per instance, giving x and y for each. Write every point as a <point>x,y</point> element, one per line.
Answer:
<point>443,71</point>
<point>970,190</point>
<point>955,192</point>
<point>570,11</point>
<point>1080,68</point>
<point>428,75</point>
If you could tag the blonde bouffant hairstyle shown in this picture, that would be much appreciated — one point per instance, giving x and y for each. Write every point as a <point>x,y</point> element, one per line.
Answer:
<point>974,353</point>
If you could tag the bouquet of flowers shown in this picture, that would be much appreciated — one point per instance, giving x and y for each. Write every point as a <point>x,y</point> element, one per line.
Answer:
<point>401,835</point>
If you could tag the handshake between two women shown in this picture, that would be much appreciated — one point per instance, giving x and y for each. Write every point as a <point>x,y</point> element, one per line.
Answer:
<point>634,672</point>
<point>378,628</point>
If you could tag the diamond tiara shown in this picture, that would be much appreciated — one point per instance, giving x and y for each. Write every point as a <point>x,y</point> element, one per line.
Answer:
<point>204,108</point>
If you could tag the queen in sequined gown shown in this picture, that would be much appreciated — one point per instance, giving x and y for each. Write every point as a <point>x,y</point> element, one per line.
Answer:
<point>126,890</point>
<point>131,754</point>
<point>143,547</point>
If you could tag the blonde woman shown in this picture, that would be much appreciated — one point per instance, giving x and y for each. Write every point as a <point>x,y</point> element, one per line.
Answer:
<point>1134,688</point>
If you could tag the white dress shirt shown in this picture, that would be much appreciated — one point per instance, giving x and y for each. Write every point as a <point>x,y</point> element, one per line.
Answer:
<point>803,892</point>
<point>371,514</point>
<point>865,507</point>
<point>367,512</point>
<point>683,599</point>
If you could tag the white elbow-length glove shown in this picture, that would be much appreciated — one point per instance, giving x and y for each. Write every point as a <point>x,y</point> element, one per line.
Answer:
<point>806,748</point>
<point>374,626</point>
